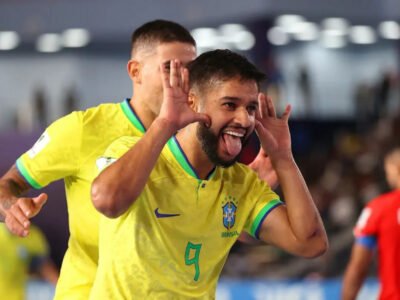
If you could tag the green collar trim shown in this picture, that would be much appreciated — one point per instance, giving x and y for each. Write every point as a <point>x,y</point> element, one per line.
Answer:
<point>181,158</point>
<point>131,115</point>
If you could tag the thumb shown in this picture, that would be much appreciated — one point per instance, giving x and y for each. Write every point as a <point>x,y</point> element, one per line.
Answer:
<point>204,118</point>
<point>40,200</point>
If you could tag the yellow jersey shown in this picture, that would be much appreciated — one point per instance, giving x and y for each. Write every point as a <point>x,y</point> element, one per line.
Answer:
<point>68,149</point>
<point>173,241</point>
<point>17,256</point>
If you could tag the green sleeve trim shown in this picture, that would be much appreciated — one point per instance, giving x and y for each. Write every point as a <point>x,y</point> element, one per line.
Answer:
<point>24,172</point>
<point>255,227</point>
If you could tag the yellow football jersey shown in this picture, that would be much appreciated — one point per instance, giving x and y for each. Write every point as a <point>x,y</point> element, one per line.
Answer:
<point>173,241</point>
<point>16,257</point>
<point>69,149</point>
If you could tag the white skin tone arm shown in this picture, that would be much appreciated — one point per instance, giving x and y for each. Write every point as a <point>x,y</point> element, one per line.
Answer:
<point>297,226</point>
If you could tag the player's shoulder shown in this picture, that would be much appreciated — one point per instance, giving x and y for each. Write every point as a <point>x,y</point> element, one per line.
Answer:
<point>383,201</point>
<point>122,144</point>
<point>103,109</point>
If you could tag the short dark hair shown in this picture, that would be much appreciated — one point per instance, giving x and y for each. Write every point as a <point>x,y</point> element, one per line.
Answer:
<point>221,65</point>
<point>160,31</point>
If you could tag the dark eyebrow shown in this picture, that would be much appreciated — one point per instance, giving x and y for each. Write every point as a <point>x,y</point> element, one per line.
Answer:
<point>236,99</point>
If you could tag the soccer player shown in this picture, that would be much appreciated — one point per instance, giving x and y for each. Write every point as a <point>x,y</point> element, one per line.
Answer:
<point>18,257</point>
<point>69,148</point>
<point>378,228</point>
<point>172,222</point>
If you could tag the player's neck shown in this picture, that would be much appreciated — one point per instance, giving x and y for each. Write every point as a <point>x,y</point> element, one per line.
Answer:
<point>143,112</point>
<point>191,147</point>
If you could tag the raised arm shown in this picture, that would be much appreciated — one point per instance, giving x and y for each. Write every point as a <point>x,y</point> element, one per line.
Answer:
<point>118,186</point>
<point>16,210</point>
<point>297,226</point>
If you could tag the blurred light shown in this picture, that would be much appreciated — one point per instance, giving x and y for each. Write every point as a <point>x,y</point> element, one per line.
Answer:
<point>306,31</point>
<point>337,26</point>
<point>245,40</point>
<point>289,22</point>
<point>206,37</point>
<point>9,40</point>
<point>277,36</point>
<point>362,35</point>
<point>75,38</point>
<point>237,36</point>
<point>231,29</point>
<point>332,41</point>
<point>389,30</point>
<point>48,42</point>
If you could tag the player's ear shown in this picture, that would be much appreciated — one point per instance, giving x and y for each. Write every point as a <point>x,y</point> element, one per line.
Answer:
<point>134,68</point>
<point>193,101</point>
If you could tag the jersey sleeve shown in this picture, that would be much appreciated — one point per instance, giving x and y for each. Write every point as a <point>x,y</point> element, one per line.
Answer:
<point>114,151</point>
<point>367,226</point>
<point>265,202</point>
<point>55,155</point>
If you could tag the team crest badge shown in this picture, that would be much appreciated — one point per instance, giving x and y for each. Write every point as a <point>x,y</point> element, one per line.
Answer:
<point>229,214</point>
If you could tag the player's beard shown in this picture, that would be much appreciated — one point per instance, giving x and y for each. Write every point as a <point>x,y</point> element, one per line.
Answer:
<point>209,143</point>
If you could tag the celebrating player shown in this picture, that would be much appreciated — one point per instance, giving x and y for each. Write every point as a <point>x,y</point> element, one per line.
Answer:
<point>69,148</point>
<point>184,199</point>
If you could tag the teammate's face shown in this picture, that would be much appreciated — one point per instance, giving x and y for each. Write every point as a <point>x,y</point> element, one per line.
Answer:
<point>151,77</point>
<point>232,107</point>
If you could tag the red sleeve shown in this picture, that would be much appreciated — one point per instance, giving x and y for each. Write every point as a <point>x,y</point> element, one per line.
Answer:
<point>368,222</point>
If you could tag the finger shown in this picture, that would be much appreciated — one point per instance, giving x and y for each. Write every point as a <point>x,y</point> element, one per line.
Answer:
<point>271,108</point>
<point>175,76</point>
<point>199,117</point>
<point>26,205</point>
<point>262,106</point>
<point>287,112</point>
<point>15,227</point>
<point>185,80</point>
<point>38,202</point>
<point>165,76</point>
<point>19,215</point>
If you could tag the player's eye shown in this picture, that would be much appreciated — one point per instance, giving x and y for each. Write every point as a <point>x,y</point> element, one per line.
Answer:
<point>167,65</point>
<point>252,109</point>
<point>229,105</point>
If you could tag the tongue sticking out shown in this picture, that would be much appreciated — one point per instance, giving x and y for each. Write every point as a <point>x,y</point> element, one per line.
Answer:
<point>233,144</point>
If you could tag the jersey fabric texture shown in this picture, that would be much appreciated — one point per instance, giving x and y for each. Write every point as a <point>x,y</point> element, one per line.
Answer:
<point>17,257</point>
<point>69,149</point>
<point>173,241</point>
<point>379,224</point>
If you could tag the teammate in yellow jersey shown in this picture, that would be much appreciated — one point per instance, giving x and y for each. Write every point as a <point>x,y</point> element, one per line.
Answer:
<point>18,257</point>
<point>69,149</point>
<point>183,199</point>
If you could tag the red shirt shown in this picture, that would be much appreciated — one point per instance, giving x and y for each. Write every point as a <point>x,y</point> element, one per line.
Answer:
<point>380,222</point>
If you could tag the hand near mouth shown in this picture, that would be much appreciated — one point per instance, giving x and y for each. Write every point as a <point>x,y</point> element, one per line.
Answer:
<point>273,131</point>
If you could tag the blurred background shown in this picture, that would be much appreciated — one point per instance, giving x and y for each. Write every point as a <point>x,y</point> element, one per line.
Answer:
<point>335,61</point>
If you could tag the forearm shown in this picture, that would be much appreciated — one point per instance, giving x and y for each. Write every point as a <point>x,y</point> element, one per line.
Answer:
<point>118,186</point>
<point>356,271</point>
<point>10,190</point>
<point>351,286</point>
<point>303,216</point>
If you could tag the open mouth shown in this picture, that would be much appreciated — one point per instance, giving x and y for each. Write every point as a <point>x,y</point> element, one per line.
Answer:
<point>233,141</point>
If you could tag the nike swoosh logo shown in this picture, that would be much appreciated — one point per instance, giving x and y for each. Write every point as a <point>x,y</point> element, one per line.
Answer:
<point>161,215</point>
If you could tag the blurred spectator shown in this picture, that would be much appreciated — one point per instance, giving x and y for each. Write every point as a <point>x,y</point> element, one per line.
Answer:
<point>21,256</point>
